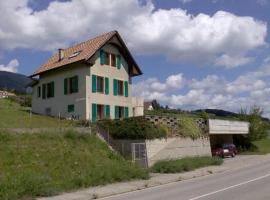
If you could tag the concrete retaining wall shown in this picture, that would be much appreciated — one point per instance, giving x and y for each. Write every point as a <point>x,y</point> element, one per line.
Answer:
<point>176,147</point>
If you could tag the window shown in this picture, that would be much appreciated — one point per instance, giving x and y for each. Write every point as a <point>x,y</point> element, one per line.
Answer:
<point>113,60</point>
<point>48,90</point>
<point>100,84</point>
<point>120,88</point>
<point>100,111</point>
<point>107,58</point>
<point>76,53</point>
<point>71,85</point>
<point>38,92</point>
<point>119,112</point>
<point>71,108</point>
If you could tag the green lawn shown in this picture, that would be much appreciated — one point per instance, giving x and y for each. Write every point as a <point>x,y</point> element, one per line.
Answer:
<point>185,164</point>
<point>12,115</point>
<point>44,164</point>
<point>263,146</point>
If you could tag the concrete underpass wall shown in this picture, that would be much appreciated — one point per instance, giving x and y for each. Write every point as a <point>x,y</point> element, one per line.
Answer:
<point>175,148</point>
<point>221,139</point>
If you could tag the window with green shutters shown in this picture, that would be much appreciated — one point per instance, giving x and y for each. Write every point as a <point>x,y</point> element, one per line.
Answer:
<point>107,111</point>
<point>71,85</point>
<point>126,88</point>
<point>106,85</point>
<point>118,62</point>
<point>126,112</point>
<point>94,112</point>
<point>71,108</point>
<point>50,90</point>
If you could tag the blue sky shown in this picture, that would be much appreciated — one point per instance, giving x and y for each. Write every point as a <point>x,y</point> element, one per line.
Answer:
<point>193,53</point>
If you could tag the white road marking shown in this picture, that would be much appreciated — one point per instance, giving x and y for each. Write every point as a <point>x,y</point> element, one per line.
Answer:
<point>230,187</point>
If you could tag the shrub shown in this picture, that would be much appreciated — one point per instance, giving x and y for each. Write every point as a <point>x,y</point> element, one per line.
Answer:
<point>185,164</point>
<point>132,128</point>
<point>187,127</point>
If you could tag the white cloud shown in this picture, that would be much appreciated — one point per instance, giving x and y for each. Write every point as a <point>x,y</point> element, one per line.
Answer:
<point>232,61</point>
<point>185,1</point>
<point>12,66</point>
<point>147,30</point>
<point>213,91</point>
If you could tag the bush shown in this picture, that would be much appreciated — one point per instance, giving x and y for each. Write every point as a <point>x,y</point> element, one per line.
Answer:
<point>132,128</point>
<point>187,127</point>
<point>22,100</point>
<point>185,164</point>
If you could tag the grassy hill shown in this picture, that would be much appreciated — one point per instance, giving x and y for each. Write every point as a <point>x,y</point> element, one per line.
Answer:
<point>15,116</point>
<point>45,164</point>
<point>13,81</point>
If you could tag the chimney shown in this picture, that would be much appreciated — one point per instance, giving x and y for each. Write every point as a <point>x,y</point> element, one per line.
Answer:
<point>60,54</point>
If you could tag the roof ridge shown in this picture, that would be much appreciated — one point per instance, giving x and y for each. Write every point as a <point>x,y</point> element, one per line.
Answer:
<point>94,38</point>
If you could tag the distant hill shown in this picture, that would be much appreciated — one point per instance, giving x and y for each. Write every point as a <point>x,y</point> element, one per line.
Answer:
<point>218,112</point>
<point>13,81</point>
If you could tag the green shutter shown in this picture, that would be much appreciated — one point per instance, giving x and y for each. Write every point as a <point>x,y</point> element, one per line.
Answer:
<point>94,112</point>
<point>118,62</point>
<point>116,112</point>
<point>106,85</point>
<point>43,91</point>
<point>76,83</point>
<point>126,88</point>
<point>115,87</point>
<point>65,86</point>
<point>126,112</point>
<point>107,111</point>
<point>94,83</point>
<point>102,57</point>
<point>52,89</point>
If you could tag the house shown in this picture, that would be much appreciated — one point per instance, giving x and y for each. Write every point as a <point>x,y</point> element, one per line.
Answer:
<point>6,94</point>
<point>89,81</point>
<point>148,105</point>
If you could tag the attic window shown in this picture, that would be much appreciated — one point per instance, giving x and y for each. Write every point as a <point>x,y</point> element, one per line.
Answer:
<point>76,53</point>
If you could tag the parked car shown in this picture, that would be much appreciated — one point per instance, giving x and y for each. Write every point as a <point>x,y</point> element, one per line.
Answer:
<point>224,150</point>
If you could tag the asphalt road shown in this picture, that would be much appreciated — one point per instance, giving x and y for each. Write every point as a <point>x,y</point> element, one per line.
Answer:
<point>252,183</point>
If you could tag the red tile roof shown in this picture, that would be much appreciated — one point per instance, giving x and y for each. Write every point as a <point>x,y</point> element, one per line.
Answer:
<point>87,50</point>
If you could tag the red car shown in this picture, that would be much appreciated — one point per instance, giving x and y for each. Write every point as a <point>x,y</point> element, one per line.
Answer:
<point>224,150</point>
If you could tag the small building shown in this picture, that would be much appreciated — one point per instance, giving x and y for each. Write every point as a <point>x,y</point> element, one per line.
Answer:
<point>222,131</point>
<point>89,81</point>
<point>6,94</point>
<point>148,105</point>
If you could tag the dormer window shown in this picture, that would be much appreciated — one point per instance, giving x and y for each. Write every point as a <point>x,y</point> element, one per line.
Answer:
<point>76,53</point>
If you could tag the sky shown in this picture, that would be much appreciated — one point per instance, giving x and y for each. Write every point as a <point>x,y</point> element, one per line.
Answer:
<point>194,54</point>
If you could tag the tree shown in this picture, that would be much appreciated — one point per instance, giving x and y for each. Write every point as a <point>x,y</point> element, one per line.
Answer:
<point>258,128</point>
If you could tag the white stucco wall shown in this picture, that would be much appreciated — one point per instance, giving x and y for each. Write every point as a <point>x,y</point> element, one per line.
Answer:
<point>217,126</point>
<point>175,148</point>
<point>60,101</point>
<point>137,105</point>
<point>112,73</point>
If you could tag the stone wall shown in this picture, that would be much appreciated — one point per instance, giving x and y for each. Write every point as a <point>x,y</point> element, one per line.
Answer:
<point>175,148</point>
